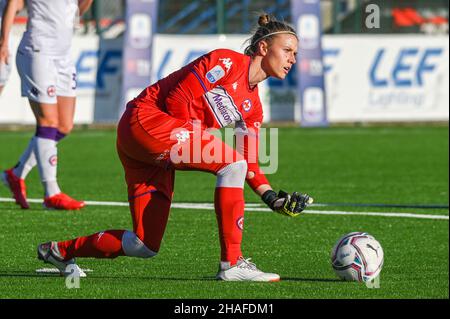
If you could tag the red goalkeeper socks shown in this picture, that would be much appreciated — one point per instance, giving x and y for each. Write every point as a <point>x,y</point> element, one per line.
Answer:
<point>229,205</point>
<point>105,244</point>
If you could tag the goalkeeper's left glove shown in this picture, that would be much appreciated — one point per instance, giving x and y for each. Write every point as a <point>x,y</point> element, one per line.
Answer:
<point>286,204</point>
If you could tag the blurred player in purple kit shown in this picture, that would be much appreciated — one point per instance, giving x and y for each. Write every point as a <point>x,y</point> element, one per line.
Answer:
<point>5,69</point>
<point>48,80</point>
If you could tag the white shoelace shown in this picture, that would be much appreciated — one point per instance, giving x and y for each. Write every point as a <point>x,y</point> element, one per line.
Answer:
<point>246,264</point>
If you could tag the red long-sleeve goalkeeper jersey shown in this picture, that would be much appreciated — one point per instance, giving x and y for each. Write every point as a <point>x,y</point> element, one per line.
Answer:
<point>215,90</point>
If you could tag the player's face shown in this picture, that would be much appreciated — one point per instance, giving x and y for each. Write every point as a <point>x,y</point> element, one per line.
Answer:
<point>280,55</point>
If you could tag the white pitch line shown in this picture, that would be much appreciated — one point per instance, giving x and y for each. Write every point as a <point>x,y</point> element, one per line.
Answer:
<point>56,271</point>
<point>254,207</point>
<point>318,212</point>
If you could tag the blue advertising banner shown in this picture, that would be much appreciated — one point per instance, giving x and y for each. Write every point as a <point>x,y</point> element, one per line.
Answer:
<point>310,77</point>
<point>141,23</point>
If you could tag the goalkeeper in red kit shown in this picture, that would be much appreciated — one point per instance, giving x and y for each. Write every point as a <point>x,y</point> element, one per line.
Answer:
<point>218,89</point>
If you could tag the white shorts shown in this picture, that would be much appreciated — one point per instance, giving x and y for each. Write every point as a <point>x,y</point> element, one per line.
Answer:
<point>44,77</point>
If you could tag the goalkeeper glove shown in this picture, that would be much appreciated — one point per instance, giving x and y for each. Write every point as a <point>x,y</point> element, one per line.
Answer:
<point>285,204</point>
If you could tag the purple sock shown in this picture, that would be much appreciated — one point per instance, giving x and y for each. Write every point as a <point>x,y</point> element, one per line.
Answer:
<point>46,132</point>
<point>59,136</point>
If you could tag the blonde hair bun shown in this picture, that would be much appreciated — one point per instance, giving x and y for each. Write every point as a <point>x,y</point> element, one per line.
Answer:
<point>264,20</point>
<point>268,26</point>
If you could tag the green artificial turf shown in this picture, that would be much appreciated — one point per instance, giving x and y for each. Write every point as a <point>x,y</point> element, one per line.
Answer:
<point>356,165</point>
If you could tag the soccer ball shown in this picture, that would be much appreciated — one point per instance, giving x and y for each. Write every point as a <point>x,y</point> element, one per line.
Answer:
<point>357,257</point>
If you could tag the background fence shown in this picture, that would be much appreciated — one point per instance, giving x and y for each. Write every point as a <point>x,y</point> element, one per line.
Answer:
<point>238,16</point>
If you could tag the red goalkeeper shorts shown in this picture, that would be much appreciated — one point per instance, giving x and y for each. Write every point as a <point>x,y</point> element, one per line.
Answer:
<point>152,144</point>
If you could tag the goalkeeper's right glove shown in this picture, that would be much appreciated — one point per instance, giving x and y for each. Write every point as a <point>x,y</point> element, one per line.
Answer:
<point>285,204</point>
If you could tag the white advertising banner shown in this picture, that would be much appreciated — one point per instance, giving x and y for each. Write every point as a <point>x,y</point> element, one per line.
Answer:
<point>367,78</point>
<point>387,78</point>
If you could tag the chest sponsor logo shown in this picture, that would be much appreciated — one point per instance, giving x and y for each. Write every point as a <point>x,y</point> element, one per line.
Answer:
<point>222,106</point>
<point>215,74</point>
<point>222,110</point>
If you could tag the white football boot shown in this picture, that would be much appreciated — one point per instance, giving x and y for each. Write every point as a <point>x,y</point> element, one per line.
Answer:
<point>49,253</point>
<point>244,270</point>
